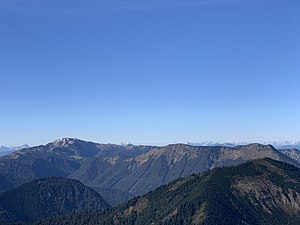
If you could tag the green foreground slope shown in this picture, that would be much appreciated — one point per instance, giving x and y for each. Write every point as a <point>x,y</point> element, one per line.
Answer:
<point>262,191</point>
<point>48,197</point>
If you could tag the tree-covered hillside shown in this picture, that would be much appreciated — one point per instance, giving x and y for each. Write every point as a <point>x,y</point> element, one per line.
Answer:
<point>48,197</point>
<point>259,192</point>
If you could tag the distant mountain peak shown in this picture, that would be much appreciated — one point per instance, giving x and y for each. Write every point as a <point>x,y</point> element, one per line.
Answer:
<point>258,145</point>
<point>3,148</point>
<point>63,142</point>
<point>65,139</point>
<point>20,147</point>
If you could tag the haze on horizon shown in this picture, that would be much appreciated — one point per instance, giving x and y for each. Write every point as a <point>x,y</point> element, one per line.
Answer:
<point>149,71</point>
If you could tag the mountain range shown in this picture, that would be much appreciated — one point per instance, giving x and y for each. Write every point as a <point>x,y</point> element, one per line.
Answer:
<point>120,172</point>
<point>259,192</point>
<point>276,144</point>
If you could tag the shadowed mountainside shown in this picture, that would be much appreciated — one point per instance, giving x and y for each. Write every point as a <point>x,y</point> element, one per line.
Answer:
<point>48,197</point>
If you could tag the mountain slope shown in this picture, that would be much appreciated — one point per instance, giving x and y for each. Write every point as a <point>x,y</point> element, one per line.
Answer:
<point>48,197</point>
<point>58,158</point>
<point>292,153</point>
<point>160,166</point>
<point>5,184</point>
<point>120,172</point>
<point>259,192</point>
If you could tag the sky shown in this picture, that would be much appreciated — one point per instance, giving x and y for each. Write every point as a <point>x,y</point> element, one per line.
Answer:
<point>149,72</point>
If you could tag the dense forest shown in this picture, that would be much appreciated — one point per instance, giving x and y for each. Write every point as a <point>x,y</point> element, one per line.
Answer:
<point>48,197</point>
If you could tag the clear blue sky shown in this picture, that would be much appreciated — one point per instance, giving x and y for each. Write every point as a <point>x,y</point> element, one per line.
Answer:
<point>158,71</point>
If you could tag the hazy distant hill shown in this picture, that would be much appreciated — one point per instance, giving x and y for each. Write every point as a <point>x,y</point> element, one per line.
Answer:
<point>276,144</point>
<point>48,197</point>
<point>120,172</point>
<point>8,150</point>
<point>260,192</point>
